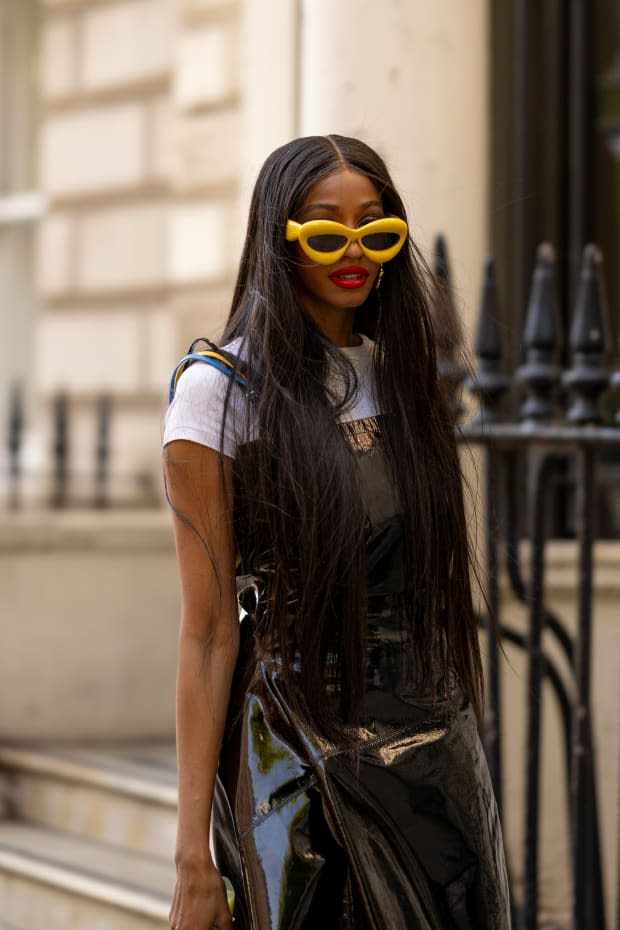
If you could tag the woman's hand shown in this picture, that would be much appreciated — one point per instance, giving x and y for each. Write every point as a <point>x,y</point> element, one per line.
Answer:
<point>199,901</point>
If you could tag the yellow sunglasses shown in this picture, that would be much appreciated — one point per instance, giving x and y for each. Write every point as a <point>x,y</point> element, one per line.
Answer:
<point>325,241</point>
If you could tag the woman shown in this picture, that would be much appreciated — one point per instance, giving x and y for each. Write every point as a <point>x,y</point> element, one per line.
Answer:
<point>311,464</point>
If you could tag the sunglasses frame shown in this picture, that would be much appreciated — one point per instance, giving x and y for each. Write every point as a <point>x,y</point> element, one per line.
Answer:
<point>302,232</point>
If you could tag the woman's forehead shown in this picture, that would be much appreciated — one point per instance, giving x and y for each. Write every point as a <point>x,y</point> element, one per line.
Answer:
<point>344,186</point>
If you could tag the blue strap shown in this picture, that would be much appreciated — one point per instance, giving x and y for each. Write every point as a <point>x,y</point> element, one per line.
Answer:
<point>215,363</point>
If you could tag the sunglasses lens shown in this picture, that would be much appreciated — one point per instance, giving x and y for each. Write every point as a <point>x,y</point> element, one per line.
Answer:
<point>326,243</point>
<point>380,241</point>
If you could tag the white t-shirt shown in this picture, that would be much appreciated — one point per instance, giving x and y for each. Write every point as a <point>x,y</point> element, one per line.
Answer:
<point>198,405</point>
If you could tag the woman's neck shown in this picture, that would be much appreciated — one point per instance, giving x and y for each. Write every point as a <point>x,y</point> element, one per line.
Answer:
<point>336,325</point>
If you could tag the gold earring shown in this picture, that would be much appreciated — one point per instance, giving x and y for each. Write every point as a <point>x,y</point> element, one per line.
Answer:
<point>379,278</point>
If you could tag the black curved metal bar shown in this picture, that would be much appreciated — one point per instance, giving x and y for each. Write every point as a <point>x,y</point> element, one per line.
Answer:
<point>492,736</point>
<point>552,673</point>
<point>513,562</point>
<point>540,470</point>
<point>582,785</point>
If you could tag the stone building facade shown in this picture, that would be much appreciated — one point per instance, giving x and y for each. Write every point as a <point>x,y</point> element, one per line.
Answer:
<point>153,118</point>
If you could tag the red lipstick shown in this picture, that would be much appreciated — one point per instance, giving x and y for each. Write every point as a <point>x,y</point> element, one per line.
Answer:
<point>349,277</point>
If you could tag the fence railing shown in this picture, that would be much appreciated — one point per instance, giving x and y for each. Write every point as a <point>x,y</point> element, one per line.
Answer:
<point>56,484</point>
<point>557,425</point>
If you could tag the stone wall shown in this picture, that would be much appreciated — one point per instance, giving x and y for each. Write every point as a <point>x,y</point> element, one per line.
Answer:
<point>103,244</point>
<point>90,609</point>
<point>206,166</point>
<point>138,163</point>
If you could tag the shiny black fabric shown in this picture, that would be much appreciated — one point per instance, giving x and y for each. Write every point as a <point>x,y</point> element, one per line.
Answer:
<point>400,833</point>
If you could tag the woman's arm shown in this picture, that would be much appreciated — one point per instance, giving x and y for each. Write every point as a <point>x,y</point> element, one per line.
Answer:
<point>199,485</point>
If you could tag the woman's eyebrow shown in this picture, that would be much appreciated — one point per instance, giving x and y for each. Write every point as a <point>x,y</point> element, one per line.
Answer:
<point>334,208</point>
<point>321,206</point>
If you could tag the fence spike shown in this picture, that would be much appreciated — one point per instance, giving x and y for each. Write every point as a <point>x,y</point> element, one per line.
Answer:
<point>588,376</point>
<point>60,450</point>
<point>102,451</point>
<point>489,384</point>
<point>448,335</point>
<point>540,374</point>
<point>16,429</point>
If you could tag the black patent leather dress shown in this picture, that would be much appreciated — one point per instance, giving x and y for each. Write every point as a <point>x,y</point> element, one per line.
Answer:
<point>402,835</point>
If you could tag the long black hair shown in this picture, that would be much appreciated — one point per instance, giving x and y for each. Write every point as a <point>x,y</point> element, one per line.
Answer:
<point>301,479</point>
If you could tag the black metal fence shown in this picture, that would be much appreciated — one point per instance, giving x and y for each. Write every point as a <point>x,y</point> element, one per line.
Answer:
<point>58,485</point>
<point>534,424</point>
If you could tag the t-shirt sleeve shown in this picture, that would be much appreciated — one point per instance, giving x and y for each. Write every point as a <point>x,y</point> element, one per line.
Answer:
<point>197,410</point>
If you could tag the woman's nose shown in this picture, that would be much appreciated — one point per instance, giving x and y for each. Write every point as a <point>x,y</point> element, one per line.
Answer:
<point>354,249</point>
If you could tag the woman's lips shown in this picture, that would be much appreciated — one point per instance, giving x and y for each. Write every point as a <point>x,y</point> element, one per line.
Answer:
<point>349,277</point>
